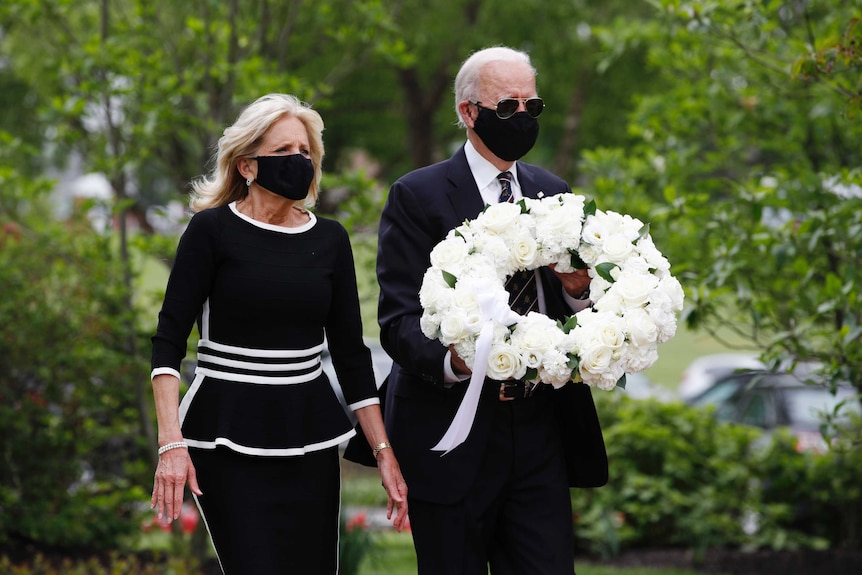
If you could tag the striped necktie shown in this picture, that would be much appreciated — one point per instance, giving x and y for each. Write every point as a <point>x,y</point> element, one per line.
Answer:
<point>523,296</point>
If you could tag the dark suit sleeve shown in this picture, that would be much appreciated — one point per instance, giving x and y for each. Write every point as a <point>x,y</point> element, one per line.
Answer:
<point>409,230</point>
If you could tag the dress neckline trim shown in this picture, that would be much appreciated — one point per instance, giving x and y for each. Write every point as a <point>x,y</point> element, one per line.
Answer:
<point>272,227</point>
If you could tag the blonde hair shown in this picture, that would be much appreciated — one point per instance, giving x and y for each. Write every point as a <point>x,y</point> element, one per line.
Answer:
<point>469,77</point>
<point>224,184</point>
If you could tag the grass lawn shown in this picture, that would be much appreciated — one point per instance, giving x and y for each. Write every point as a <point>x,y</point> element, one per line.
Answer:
<point>393,555</point>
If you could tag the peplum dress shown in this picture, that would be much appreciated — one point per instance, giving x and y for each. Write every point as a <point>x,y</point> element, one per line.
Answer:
<point>263,298</point>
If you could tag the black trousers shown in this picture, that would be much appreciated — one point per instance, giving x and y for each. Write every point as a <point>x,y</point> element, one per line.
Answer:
<point>517,516</point>
<point>271,515</point>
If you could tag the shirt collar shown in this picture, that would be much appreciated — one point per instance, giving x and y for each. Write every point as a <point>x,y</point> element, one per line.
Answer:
<point>484,172</point>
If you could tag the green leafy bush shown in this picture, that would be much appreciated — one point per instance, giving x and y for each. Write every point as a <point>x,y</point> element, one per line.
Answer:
<point>69,424</point>
<point>680,478</point>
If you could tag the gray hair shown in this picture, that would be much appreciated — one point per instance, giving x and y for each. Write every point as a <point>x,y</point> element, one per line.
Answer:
<point>468,79</point>
<point>224,184</point>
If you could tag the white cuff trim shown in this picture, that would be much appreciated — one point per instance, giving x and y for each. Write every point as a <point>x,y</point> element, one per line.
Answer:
<point>163,371</point>
<point>364,403</point>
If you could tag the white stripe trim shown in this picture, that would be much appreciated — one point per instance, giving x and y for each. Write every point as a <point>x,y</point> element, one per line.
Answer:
<point>190,395</point>
<point>258,366</point>
<point>260,379</point>
<point>270,452</point>
<point>364,403</point>
<point>253,352</point>
<point>312,219</point>
<point>207,525</point>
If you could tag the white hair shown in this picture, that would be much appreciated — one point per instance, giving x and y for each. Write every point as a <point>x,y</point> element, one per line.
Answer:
<point>468,79</point>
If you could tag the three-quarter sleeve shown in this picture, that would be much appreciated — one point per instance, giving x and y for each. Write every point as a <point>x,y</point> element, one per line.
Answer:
<point>187,289</point>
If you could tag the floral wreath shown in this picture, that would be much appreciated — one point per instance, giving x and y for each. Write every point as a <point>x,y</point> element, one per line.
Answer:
<point>634,297</point>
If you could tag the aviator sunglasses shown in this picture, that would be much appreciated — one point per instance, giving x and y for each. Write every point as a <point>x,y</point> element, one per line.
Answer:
<point>507,107</point>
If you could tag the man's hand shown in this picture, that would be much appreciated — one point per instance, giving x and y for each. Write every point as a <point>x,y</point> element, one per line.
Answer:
<point>576,283</point>
<point>458,364</point>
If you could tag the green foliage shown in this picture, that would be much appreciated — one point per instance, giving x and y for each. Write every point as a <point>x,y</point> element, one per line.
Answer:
<point>146,108</point>
<point>749,171</point>
<point>356,542</point>
<point>808,499</point>
<point>680,478</point>
<point>69,424</point>
<point>676,479</point>
<point>112,564</point>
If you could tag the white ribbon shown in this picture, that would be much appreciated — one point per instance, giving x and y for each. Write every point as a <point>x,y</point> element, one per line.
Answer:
<point>494,307</point>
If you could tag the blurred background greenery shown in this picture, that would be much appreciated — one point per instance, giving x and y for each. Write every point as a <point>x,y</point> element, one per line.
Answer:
<point>731,126</point>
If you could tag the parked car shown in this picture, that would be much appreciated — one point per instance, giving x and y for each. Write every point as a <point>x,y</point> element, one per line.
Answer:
<point>704,371</point>
<point>778,400</point>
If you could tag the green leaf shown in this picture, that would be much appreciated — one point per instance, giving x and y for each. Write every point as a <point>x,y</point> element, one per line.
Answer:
<point>621,382</point>
<point>523,205</point>
<point>532,374</point>
<point>576,261</point>
<point>604,271</point>
<point>571,323</point>
<point>590,208</point>
<point>450,279</point>
<point>644,231</point>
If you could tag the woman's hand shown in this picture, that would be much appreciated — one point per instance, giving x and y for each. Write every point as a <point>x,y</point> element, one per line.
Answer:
<point>396,487</point>
<point>174,469</point>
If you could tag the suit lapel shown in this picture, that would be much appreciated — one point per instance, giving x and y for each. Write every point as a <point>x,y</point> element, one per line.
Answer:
<point>529,189</point>
<point>463,193</point>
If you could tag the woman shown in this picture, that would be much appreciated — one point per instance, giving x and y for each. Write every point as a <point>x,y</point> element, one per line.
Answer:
<point>256,436</point>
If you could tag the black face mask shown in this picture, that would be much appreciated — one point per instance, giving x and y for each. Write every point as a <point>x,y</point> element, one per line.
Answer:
<point>287,176</point>
<point>507,139</point>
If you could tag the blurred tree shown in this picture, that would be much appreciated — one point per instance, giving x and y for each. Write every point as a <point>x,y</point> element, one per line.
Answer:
<point>749,163</point>
<point>400,106</point>
<point>141,90</point>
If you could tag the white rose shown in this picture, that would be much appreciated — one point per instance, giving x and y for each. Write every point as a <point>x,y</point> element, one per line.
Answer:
<point>635,288</point>
<point>464,298</point>
<point>473,321</point>
<point>611,333</point>
<point>524,251</point>
<point>595,358</point>
<point>504,362</point>
<point>452,328</point>
<point>435,294</point>
<point>641,328</point>
<point>449,253</point>
<point>499,217</point>
<point>617,248</point>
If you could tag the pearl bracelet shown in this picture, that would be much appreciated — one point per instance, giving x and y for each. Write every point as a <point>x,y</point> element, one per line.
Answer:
<point>380,447</point>
<point>174,445</point>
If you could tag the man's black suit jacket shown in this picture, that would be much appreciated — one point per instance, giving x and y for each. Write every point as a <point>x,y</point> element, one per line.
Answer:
<point>421,209</point>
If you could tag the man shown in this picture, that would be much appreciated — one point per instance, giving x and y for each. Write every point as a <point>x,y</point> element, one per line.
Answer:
<point>501,498</point>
